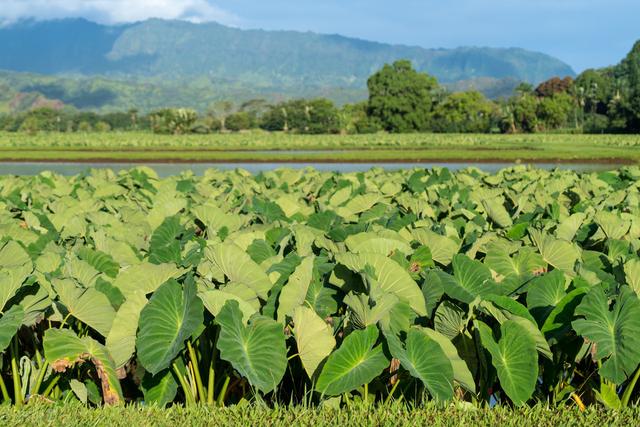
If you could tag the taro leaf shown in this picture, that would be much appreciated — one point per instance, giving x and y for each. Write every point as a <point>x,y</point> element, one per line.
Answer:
<point>171,316</point>
<point>10,322</point>
<point>471,279</point>
<point>238,266</point>
<point>87,305</point>
<point>164,246</point>
<point>215,299</point>
<point>632,273</point>
<point>558,322</point>
<point>159,389</point>
<point>615,333</point>
<point>514,357</point>
<point>260,251</point>
<point>389,278</point>
<point>449,319</point>
<point>121,341</point>
<point>442,248</point>
<point>295,291</point>
<point>321,298</point>
<point>101,261</point>
<point>355,363</point>
<point>314,338</point>
<point>432,290</point>
<point>383,243</point>
<point>80,390</point>
<point>257,351</point>
<point>497,212</point>
<point>145,277</point>
<point>11,279</point>
<point>613,226</point>
<point>425,359</point>
<point>13,255</point>
<point>544,293</point>
<point>461,373</point>
<point>63,349</point>
<point>559,253</point>
<point>510,309</point>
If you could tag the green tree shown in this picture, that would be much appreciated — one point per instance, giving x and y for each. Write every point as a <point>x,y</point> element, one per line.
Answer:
<point>555,111</point>
<point>402,98</point>
<point>631,67</point>
<point>463,112</point>
<point>173,121</point>
<point>239,121</point>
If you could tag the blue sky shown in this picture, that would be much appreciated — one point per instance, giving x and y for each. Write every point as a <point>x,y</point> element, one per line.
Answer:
<point>584,33</point>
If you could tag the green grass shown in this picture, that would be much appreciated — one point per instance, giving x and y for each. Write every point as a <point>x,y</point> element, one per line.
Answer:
<point>138,146</point>
<point>360,415</point>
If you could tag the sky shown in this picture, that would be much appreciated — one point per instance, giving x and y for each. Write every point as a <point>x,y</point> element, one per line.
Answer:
<point>583,33</point>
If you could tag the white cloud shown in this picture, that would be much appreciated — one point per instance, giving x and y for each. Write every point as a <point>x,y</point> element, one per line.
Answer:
<point>114,11</point>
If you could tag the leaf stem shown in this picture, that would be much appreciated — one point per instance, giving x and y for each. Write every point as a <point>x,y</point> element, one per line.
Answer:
<point>196,372</point>
<point>190,400</point>
<point>629,390</point>
<point>41,374</point>
<point>393,389</point>
<point>223,391</point>
<point>15,373</point>
<point>3,388</point>
<point>51,385</point>
<point>210,385</point>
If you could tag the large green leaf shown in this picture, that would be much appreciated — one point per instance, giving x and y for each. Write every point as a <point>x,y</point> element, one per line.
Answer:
<point>159,389</point>
<point>383,243</point>
<point>101,261</point>
<point>390,277</point>
<point>171,316</point>
<point>615,333</point>
<point>238,266</point>
<point>11,279</point>
<point>355,363</point>
<point>295,291</point>
<point>442,248</point>
<point>256,351</point>
<point>215,299</point>
<point>470,279</point>
<point>632,273</point>
<point>10,322</point>
<point>461,373</point>
<point>544,293</point>
<point>121,341</point>
<point>63,350</point>
<point>145,277</point>
<point>424,358</point>
<point>87,305</point>
<point>314,338</point>
<point>497,212</point>
<point>559,253</point>
<point>514,357</point>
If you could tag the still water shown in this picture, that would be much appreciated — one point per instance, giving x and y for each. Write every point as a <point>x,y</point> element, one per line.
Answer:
<point>167,169</point>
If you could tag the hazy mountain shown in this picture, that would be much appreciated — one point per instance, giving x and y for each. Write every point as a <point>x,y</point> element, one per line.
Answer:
<point>164,56</point>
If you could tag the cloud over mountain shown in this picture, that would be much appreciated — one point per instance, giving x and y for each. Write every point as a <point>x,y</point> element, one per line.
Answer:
<point>115,11</point>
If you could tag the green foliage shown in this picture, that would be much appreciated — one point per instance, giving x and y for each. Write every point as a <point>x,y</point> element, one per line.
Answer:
<point>322,288</point>
<point>401,98</point>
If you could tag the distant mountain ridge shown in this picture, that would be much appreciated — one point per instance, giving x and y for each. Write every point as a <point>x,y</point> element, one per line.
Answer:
<point>163,55</point>
<point>179,49</point>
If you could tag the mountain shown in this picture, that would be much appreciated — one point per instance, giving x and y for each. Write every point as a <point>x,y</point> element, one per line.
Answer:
<point>163,53</point>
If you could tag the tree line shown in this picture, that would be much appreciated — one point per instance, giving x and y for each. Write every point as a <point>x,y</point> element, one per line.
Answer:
<point>400,100</point>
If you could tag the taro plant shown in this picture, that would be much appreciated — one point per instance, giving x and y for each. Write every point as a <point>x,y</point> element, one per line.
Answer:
<point>317,288</point>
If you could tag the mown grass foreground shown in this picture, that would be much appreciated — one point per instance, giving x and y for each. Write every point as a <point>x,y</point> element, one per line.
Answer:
<point>278,147</point>
<point>358,415</point>
<point>321,289</point>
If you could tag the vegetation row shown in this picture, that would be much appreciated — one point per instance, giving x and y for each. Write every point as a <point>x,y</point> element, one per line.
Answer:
<point>310,288</point>
<point>400,100</point>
